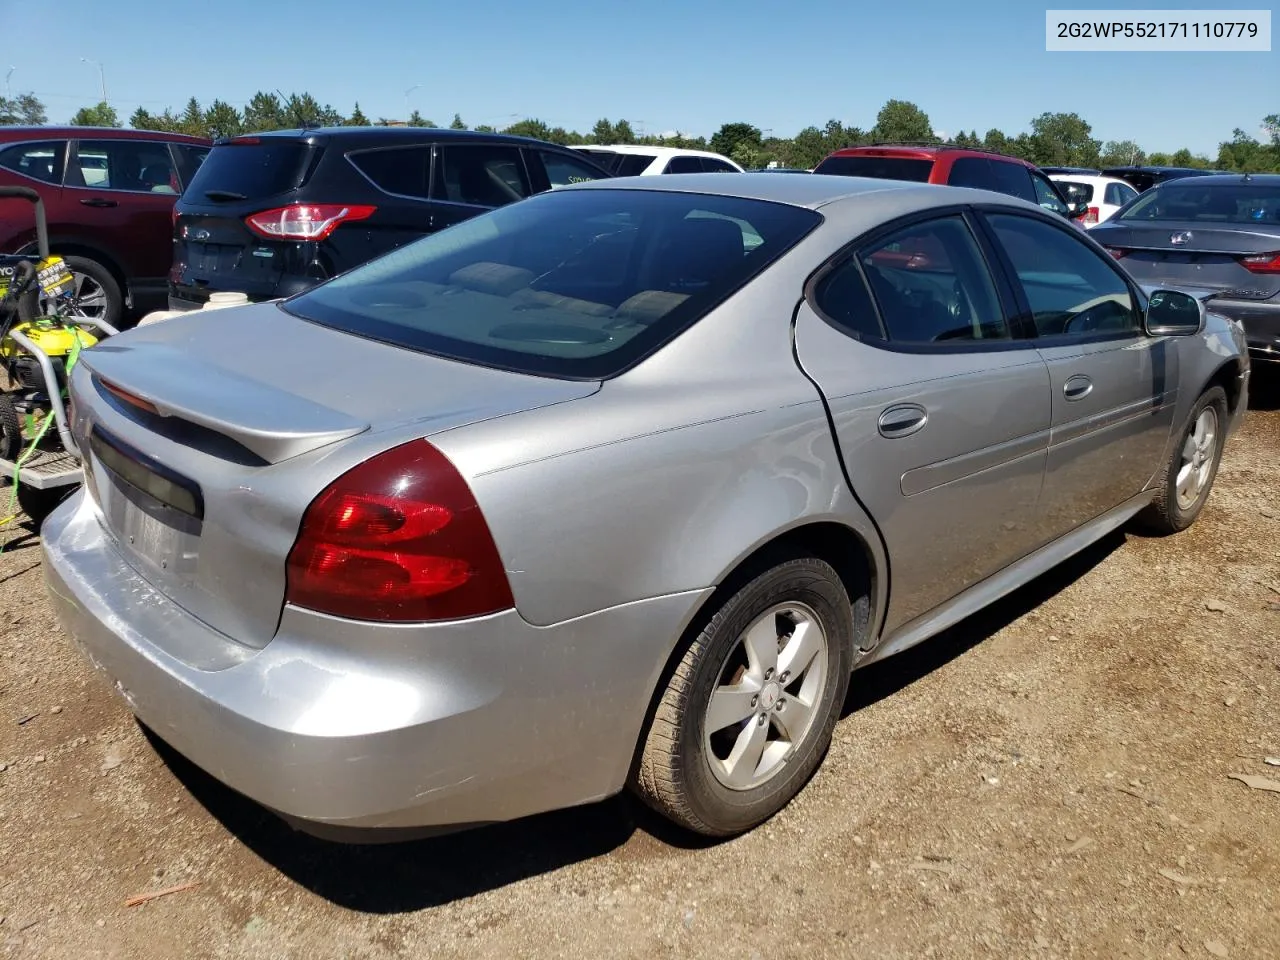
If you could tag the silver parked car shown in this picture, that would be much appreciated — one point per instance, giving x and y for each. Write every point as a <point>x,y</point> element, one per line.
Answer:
<point>613,486</point>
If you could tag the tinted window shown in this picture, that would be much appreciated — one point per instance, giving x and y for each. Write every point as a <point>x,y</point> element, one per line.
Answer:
<point>1216,203</point>
<point>1070,289</point>
<point>1047,197</point>
<point>684,165</point>
<point>1013,179</point>
<point>189,159</point>
<point>931,283</point>
<point>1125,192</point>
<point>40,161</point>
<point>1079,191</point>
<point>881,168</point>
<point>842,296</point>
<point>577,283</point>
<point>137,165</point>
<point>482,175</point>
<point>252,169</point>
<point>712,165</point>
<point>633,164</point>
<point>563,169</point>
<point>399,170</point>
<point>972,172</point>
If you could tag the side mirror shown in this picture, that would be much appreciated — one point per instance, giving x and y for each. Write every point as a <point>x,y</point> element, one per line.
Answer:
<point>1171,313</point>
<point>1077,209</point>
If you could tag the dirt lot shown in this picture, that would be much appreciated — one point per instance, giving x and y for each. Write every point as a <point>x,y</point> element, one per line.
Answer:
<point>1050,779</point>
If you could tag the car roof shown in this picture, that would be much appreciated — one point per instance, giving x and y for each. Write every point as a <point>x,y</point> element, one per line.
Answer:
<point>392,134</point>
<point>922,151</point>
<point>1093,178</point>
<point>96,133</point>
<point>814,191</point>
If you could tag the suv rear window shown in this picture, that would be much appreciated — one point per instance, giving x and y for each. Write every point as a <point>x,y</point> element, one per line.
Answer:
<point>578,284</point>
<point>1076,191</point>
<point>881,168</point>
<point>252,169</point>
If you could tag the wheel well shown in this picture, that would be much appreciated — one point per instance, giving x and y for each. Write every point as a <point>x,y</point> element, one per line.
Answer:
<point>833,543</point>
<point>1227,377</point>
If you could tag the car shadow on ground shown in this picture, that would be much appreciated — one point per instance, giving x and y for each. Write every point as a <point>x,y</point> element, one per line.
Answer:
<point>1264,386</point>
<point>417,874</point>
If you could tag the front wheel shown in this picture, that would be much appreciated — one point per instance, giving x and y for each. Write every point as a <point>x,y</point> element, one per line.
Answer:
<point>97,294</point>
<point>1192,467</point>
<point>748,712</point>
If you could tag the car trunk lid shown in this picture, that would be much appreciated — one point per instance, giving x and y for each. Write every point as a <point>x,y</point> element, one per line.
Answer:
<point>1192,253</point>
<point>207,436</point>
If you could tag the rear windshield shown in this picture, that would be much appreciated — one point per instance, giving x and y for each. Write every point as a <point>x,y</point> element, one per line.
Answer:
<point>1216,203</point>
<point>248,171</point>
<point>632,164</point>
<point>579,284</point>
<point>1076,191</point>
<point>881,168</point>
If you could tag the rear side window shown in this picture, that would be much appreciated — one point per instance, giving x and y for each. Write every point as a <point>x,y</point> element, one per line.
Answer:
<point>140,166</point>
<point>563,169</point>
<point>881,168</point>
<point>480,175</point>
<point>632,164</point>
<point>1013,179</point>
<point>251,169</point>
<point>684,165</point>
<point>399,170</point>
<point>569,283</point>
<point>41,161</point>
<point>712,165</point>
<point>931,284</point>
<point>972,172</point>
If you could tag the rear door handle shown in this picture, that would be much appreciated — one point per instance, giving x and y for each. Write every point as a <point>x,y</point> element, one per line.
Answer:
<point>902,420</point>
<point>1077,387</point>
<point>99,202</point>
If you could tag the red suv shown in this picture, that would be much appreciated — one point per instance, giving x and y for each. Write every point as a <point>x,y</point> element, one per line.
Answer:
<point>108,196</point>
<point>956,167</point>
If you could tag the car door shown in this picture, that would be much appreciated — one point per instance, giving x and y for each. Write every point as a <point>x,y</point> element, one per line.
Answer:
<point>470,178</point>
<point>124,190</point>
<point>940,410</point>
<point>1112,386</point>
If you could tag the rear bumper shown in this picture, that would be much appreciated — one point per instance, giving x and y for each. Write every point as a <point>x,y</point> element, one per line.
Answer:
<point>1261,322</point>
<point>336,724</point>
<point>184,298</point>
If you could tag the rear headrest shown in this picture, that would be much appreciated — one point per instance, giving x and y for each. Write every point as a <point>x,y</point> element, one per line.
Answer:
<point>648,306</point>
<point>499,279</point>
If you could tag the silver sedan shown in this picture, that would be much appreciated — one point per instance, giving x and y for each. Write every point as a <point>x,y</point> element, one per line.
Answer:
<point>615,486</point>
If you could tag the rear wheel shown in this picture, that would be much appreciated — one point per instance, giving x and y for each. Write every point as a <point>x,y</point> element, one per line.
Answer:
<point>748,712</point>
<point>1191,469</point>
<point>38,504</point>
<point>10,429</point>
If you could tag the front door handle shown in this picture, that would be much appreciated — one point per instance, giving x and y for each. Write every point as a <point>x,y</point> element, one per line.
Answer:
<point>902,420</point>
<point>1077,387</point>
<point>99,202</point>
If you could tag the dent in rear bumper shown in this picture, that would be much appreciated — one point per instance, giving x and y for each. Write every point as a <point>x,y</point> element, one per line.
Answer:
<point>361,725</point>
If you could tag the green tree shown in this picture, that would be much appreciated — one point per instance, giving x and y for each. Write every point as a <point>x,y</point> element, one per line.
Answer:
<point>530,127</point>
<point>263,113</point>
<point>357,118</point>
<point>622,132</point>
<point>735,137</point>
<point>456,123</point>
<point>222,120</point>
<point>902,121</point>
<point>485,128</point>
<point>101,115</point>
<point>417,120</point>
<point>1063,139</point>
<point>25,109</point>
<point>1121,153</point>
<point>192,121</point>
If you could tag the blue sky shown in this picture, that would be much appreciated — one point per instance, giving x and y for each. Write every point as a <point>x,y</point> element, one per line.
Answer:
<point>664,65</point>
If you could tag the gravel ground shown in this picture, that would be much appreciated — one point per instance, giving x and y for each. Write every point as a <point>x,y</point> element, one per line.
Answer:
<point>1052,778</point>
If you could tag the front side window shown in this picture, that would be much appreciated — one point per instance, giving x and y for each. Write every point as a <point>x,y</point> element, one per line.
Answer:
<point>571,283</point>
<point>1047,197</point>
<point>135,165</point>
<point>563,169</point>
<point>931,284</point>
<point>1071,290</point>
<point>481,175</point>
<point>41,161</point>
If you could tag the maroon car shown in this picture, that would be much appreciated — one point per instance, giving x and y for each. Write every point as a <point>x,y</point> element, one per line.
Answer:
<point>108,195</point>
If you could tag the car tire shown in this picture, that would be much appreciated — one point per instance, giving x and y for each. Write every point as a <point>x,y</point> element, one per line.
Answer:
<point>1194,461</point>
<point>719,778</point>
<point>38,504</point>
<point>10,429</point>
<point>104,300</point>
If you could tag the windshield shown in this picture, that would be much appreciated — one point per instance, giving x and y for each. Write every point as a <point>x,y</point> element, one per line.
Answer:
<point>1207,203</point>
<point>574,283</point>
<point>881,168</point>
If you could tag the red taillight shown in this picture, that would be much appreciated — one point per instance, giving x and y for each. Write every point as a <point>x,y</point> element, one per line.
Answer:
<point>1262,263</point>
<point>306,221</point>
<point>1091,216</point>
<point>1117,252</point>
<point>398,538</point>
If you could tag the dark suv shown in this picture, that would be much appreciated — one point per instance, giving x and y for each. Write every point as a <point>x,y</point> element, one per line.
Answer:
<point>108,196</point>
<point>272,214</point>
<point>956,167</point>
